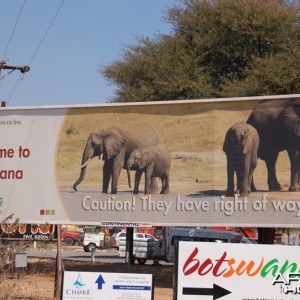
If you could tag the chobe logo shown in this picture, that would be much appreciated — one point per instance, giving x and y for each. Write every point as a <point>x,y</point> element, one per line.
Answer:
<point>78,283</point>
<point>79,290</point>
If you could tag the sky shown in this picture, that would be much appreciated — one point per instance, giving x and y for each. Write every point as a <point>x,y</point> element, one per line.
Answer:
<point>65,42</point>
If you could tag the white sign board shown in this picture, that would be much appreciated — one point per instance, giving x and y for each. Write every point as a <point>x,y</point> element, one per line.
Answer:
<point>102,285</point>
<point>237,271</point>
<point>63,165</point>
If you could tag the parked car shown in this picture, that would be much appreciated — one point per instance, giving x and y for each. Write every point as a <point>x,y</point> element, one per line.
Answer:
<point>71,237</point>
<point>145,246</point>
<point>115,238</point>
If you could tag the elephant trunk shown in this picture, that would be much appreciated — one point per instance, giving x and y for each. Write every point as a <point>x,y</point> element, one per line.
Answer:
<point>87,154</point>
<point>81,176</point>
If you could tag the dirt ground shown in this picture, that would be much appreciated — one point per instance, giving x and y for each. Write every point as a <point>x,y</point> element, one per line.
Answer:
<point>38,280</point>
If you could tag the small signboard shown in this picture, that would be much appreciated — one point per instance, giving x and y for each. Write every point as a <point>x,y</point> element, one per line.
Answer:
<point>237,271</point>
<point>102,285</point>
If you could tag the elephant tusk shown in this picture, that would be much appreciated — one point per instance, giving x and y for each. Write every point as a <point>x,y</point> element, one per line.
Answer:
<point>85,164</point>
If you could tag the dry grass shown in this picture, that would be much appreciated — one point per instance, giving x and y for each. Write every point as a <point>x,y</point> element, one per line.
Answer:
<point>196,131</point>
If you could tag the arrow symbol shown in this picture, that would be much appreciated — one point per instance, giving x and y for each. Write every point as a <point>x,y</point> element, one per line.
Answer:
<point>217,291</point>
<point>100,282</point>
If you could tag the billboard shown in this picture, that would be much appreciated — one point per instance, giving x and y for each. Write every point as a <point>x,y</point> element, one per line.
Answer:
<point>69,165</point>
<point>237,271</point>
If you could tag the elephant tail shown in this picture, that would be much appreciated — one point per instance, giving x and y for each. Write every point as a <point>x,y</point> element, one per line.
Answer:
<point>128,173</point>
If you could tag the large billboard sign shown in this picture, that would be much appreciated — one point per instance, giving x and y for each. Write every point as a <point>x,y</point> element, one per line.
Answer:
<point>237,271</point>
<point>162,163</point>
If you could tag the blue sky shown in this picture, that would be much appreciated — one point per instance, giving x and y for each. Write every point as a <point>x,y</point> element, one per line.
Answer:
<point>84,35</point>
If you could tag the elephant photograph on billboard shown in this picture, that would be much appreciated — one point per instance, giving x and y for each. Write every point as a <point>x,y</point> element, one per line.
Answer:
<point>191,153</point>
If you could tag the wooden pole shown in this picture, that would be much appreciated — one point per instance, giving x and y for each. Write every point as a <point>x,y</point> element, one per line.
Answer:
<point>58,270</point>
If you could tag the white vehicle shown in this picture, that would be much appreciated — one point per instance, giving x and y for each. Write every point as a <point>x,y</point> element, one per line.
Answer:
<point>201,235</point>
<point>92,241</point>
<point>115,238</point>
<point>145,246</point>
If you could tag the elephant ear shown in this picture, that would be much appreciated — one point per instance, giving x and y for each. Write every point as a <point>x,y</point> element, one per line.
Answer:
<point>227,141</point>
<point>146,159</point>
<point>248,145</point>
<point>248,142</point>
<point>113,143</point>
<point>291,117</point>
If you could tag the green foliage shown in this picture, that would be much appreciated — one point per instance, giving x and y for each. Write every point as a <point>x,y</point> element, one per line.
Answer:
<point>217,49</point>
<point>71,130</point>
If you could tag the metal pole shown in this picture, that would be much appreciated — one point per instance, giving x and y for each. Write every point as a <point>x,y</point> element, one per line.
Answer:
<point>129,248</point>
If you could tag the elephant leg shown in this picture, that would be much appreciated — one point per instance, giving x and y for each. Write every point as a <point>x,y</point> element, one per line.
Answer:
<point>148,176</point>
<point>270,161</point>
<point>230,175</point>
<point>153,185</point>
<point>137,180</point>
<point>165,185</point>
<point>245,175</point>
<point>242,175</point>
<point>253,164</point>
<point>294,156</point>
<point>115,178</point>
<point>117,165</point>
<point>107,173</point>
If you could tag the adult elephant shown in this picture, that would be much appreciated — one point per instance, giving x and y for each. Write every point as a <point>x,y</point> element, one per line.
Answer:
<point>278,125</point>
<point>115,145</point>
<point>241,145</point>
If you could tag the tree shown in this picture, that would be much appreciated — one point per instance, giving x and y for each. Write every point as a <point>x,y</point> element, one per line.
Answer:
<point>218,48</point>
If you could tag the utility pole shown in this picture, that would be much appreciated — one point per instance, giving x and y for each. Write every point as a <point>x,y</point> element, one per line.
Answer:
<point>4,66</point>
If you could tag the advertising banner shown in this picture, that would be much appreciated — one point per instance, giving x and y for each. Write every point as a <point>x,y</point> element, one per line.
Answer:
<point>103,285</point>
<point>149,164</point>
<point>237,271</point>
<point>28,231</point>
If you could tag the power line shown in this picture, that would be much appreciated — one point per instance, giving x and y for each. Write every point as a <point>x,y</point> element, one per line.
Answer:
<point>37,49</point>
<point>42,40</point>
<point>10,38</point>
<point>15,86</point>
<point>20,12</point>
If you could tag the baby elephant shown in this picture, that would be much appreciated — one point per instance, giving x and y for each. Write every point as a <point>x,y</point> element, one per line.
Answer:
<point>154,161</point>
<point>241,145</point>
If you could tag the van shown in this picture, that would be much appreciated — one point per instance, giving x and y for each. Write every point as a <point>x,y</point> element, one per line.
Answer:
<point>199,235</point>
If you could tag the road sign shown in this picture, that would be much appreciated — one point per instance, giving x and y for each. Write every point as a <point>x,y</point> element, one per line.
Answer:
<point>102,285</point>
<point>237,271</point>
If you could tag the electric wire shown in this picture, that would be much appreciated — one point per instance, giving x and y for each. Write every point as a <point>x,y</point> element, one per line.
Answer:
<point>37,49</point>
<point>46,33</point>
<point>10,38</point>
<point>15,86</point>
<point>13,31</point>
